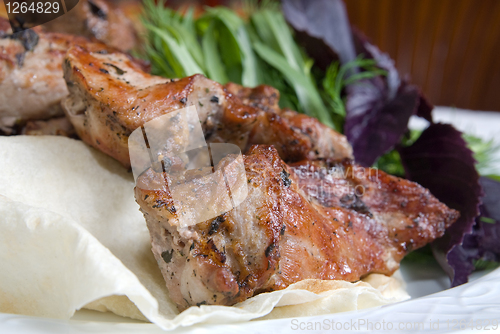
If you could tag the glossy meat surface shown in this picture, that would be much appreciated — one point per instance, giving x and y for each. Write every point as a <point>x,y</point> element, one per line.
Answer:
<point>110,97</point>
<point>287,230</point>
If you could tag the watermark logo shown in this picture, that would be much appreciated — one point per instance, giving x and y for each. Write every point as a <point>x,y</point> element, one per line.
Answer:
<point>204,180</point>
<point>26,14</point>
<point>338,184</point>
<point>366,325</point>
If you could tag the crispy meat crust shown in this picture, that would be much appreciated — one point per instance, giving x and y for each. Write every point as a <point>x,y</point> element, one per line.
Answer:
<point>286,231</point>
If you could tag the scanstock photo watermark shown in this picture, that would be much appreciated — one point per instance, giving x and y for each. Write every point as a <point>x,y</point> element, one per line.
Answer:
<point>203,179</point>
<point>337,182</point>
<point>365,324</point>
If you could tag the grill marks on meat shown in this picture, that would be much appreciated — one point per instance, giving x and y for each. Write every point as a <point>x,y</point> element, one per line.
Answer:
<point>261,97</point>
<point>285,232</point>
<point>110,105</point>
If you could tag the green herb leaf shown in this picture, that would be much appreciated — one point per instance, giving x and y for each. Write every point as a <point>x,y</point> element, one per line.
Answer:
<point>485,265</point>
<point>213,62</point>
<point>236,46</point>
<point>486,153</point>
<point>487,220</point>
<point>494,177</point>
<point>222,46</point>
<point>303,85</point>
<point>180,54</point>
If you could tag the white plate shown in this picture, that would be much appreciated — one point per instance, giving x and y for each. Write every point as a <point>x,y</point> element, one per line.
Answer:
<point>472,307</point>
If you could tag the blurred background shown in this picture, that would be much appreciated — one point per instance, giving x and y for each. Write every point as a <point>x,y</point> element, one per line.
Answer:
<point>450,48</point>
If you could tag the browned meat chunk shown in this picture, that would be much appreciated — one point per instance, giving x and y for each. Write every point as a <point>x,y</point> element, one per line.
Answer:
<point>306,221</point>
<point>31,78</point>
<point>100,19</point>
<point>110,97</point>
<point>261,97</point>
<point>58,126</point>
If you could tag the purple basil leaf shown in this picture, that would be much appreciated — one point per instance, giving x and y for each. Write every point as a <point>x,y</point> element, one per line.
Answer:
<point>383,60</point>
<point>440,161</point>
<point>488,235</point>
<point>424,108</point>
<point>377,115</point>
<point>482,242</point>
<point>457,263</point>
<point>323,20</point>
<point>491,200</point>
<point>375,123</point>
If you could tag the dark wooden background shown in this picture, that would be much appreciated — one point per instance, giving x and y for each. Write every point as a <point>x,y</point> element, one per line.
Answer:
<point>451,48</point>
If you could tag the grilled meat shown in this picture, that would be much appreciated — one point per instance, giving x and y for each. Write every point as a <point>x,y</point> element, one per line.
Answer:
<point>31,80</point>
<point>411,215</point>
<point>110,97</point>
<point>100,19</point>
<point>261,97</point>
<point>309,220</point>
<point>57,126</point>
<point>31,77</point>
